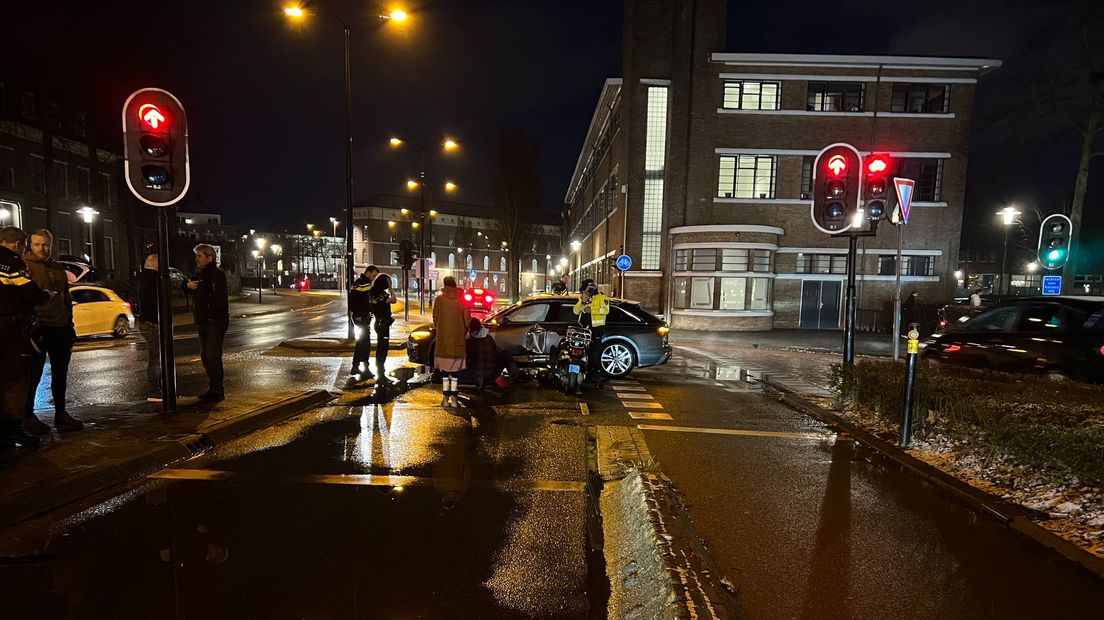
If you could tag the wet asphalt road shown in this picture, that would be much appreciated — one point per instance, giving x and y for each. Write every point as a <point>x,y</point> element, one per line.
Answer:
<point>405,510</point>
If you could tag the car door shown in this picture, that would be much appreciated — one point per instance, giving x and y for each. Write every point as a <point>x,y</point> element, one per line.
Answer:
<point>981,341</point>
<point>510,328</point>
<point>86,319</point>
<point>1040,339</point>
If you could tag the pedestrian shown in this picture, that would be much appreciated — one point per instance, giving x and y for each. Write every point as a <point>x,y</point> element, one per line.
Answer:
<point>975,298</point>
<point>19,295</point>
<point>148,325</point>
<point>486,361</point>
<point>560,286</point>
<point>592,309</point>
<point>450,321</point>
<point>381,296</point>
<point>211,312</point>
<point>54,327</point>
<point>360,312</point>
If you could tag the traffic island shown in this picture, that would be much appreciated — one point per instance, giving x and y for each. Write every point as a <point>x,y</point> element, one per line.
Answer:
<point>123,442</point>
<point>656,563</point>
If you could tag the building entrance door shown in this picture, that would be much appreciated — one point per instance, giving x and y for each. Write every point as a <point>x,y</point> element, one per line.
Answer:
<point>820,304</point>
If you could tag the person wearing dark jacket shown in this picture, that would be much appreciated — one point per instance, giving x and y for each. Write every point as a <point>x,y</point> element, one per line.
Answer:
<point>148,326</point>
<point>18,297</point>
<point>211,312</point>
<point>485,360</point>
<point>54,321</point>
<point>360,311</point>
<point>380,296</point>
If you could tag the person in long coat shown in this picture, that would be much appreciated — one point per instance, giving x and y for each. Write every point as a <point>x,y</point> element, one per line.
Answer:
<point>450,321</point>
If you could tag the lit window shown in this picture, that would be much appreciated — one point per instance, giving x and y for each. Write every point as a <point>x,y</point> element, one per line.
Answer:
<point>746,176</point>
<point>655,155</point>
<point>751,95</point>
<point>835,97</point>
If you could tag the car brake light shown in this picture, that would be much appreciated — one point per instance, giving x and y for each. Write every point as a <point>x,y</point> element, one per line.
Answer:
<point>951,348</point>
<point>1101,350</point>
<point>489,298</point>
<point>477,291</point>
<point>467,297</point>
<point>127,304</point>
<point>663,330</point>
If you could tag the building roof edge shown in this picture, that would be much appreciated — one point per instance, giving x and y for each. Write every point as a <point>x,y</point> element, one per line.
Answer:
<point>872,60</point>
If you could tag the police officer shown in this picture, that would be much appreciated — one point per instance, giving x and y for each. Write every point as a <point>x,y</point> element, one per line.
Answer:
<point>360,311</point>
<point>592,310</point>
<point>18,297</point>
<point>381,298</point>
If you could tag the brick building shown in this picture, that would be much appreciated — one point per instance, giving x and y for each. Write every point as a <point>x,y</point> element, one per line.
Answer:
<point>709,154</point>
<point>462,239</point>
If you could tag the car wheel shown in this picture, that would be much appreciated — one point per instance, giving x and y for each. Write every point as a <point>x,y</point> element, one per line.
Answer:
<point>617,359</point>
<point>122,327</point>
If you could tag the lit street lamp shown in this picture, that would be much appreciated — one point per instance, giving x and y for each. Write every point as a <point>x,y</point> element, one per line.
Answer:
<point>1008,216</point>
<point>88,214</point>
<point>397,15</point>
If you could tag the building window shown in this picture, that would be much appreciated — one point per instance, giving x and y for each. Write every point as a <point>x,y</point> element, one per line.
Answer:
<point>533,266</point>
<point>469,262</point>
<point>38,175</point>
<point>835,97</point>
<point>502,264</point>
<point>751,95</point>
<point>928,174</point>
<point>821,263</point>
<point>61,179</point>
<point>807,177</point>
<point>11,214</point>
<point>78,125</point>
<point>452,261</point>
<point>27,106</point>
<point>920,98</point>
<point>746,176</point>
<point>910,265</point>
<point>725,293</point>
<point>108,185</point>
<point>486,263</point>
<point>64,246</point>
<point>109,252</point>
<point>84,184</point>
<point>7,167</point>
<point>394,258</point>
<point>655,162</point>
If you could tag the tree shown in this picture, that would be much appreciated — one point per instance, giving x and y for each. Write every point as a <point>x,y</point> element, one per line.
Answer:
<point>517,200</point>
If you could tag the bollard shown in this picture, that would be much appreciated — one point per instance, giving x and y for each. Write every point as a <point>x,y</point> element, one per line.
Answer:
<point>910,383</point>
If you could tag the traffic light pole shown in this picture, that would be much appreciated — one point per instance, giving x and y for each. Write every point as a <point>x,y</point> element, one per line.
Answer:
<point>852,311</point>
<point>348,276</point>
<point>422,220</point>
<point>164,313</point>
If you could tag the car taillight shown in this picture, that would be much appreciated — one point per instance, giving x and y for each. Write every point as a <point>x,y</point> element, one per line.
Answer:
<point>951,348</point>
<point>663,330</point>
<point>1101,350</point>
<point>127,304</point>
<point>489,299</point>
<point>467,297</point>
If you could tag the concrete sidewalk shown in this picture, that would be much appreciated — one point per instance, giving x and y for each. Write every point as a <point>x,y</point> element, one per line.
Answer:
<point>827,341</point>
<point>123,441</point>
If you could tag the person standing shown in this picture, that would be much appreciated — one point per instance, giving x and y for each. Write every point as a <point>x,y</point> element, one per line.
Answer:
<point>381,297</point>
<point>19,295</point>
<point>560,286</point>
<point>148,282</point>
<point>54,321</point>
<point>360,311</point>
<point>975,298</point>
<point>592,309</point>
<point>450,321</point>
<point>211,312</point>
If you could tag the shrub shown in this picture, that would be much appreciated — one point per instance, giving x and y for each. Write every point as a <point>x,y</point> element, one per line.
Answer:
<point>1054,425</point>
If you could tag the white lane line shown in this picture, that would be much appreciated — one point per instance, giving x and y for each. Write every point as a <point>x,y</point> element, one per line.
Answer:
<point>629,388</point>
<point>624,382</point>
<point>640,396</point>
<point>584,408</point>
<point>642,405</point>
<point>643,415</point>
<point>742,433</point>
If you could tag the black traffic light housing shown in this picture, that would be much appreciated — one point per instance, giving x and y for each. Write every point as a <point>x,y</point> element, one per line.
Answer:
<point>879,196</point>
<point>407,253</point>
<point>1055,236</point>
<point>836,186</point>
<point>155,147</point>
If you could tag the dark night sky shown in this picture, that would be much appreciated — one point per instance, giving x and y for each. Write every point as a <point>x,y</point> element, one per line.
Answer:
<point>265,97</point>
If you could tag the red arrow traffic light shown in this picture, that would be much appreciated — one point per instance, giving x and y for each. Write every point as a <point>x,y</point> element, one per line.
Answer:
<point>151,115</point>
<point>837,164</point>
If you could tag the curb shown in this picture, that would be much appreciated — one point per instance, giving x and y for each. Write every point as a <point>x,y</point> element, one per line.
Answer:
<point>1015,517</point>
<point>28,504</point>
<point>331,346</point>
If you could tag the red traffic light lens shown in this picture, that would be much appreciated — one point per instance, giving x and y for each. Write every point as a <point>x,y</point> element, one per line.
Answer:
<point>152,116</point>
<point>837,164</point>
<point>877,164</point>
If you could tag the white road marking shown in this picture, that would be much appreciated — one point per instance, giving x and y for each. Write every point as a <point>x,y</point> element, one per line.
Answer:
<point>629,388</point>
<point>628,404</point>
<point>741,433</point>
<point>643,415</point>
<point>584,408</point>
<point>624,382</point>
<point>640,396</point>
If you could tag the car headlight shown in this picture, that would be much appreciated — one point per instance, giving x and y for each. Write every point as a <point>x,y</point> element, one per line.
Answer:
<point>420,335</point>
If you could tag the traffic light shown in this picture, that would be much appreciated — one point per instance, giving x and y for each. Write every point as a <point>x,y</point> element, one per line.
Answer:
<point>1055,236</point>
<point>836,181</point>
<point>407,253</point>
<point>879,195</point>
<point>155,147</point>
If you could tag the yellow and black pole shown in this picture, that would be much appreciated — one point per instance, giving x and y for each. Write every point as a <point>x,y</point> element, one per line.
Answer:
<point>913,352</point>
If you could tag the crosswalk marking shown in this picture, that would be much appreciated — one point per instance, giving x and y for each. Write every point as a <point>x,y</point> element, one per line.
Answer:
<point>629,388</point>
<point>624,382</point>
<point>643,415</point>
<point>640,396</point>
<point>584,408</point>
<point>643,405</point>
<point>740,432</point>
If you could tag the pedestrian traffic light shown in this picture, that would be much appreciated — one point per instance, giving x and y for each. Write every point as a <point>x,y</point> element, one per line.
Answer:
<point>836,184</point>
<point>878,193</point>
<point>155,147</point>
<point>1055,236</point>
<point>407,253</point>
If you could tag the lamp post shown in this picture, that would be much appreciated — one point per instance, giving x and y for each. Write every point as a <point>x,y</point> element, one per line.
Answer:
<point>295,12</point>
<point>260,265</point>
<point>577,245</point>
<point>447,145</point>
<point>88,214</point>
<point>1008,216</point>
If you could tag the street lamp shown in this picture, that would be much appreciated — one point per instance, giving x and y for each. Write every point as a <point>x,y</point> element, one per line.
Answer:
<point>450,186</point>
<point>397,15</point>
<point>333,220</point>
<point>1008,216</point>
<point>88,214</point>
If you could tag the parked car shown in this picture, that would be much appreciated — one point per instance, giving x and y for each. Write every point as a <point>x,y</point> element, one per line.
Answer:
<point>77,269</point>
<point>480,302</point>
<point>531,328</point>
<point>99,311</point>
<point>1061,336</point>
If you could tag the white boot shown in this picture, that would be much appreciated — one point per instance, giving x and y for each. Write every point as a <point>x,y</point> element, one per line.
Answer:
<point>455,391</point>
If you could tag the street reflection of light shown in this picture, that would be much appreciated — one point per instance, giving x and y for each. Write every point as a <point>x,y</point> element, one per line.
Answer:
<point>398,488</point>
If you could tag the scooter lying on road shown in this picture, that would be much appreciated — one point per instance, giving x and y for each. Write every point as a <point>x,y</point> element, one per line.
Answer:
<point>570,362</point>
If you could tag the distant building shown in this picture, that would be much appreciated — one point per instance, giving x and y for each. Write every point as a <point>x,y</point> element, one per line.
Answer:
<point>50,168</point>
<point>698,165</point>
<point>206,227</point>
<point>462,241</point>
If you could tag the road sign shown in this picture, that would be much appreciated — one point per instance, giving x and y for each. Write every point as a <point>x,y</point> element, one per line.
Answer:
<point>624,262</point>
<point>434,275</point>
<point>1052,285</point>
<point>472,274</point>
<point>905,189</point>
<point>495,278</point>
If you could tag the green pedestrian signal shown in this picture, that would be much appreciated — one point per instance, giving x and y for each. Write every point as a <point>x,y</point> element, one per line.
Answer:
<point>1055,236</point>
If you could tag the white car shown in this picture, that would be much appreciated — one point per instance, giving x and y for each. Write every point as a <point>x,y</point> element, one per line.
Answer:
<point>98,311</point>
